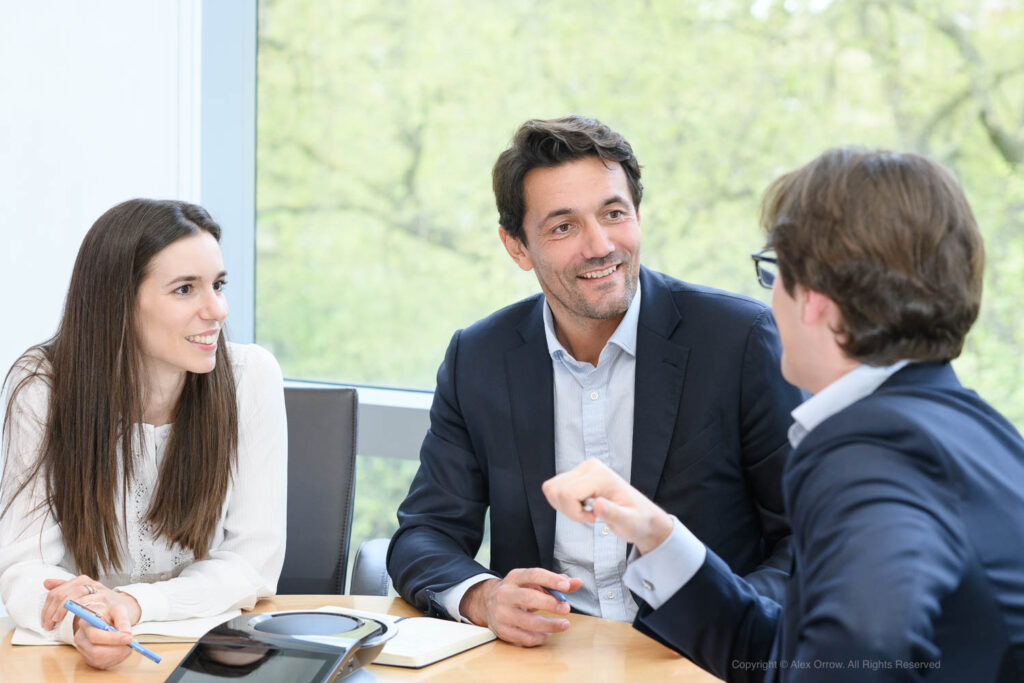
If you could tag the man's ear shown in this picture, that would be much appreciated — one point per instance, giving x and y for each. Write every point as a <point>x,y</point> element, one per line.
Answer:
<point>817,308</point>
<point>515,249</point>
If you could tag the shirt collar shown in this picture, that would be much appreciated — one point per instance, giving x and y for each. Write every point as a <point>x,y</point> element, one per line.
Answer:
<point>844,392</point>
<point>624,335</point>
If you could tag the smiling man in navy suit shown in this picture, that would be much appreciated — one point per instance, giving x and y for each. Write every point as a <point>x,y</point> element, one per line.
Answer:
<point>674,386</point>
<point>905,490</point>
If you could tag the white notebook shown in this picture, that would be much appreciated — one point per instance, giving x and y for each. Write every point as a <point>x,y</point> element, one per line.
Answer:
<point>180,631</point>
<point>423,640</point>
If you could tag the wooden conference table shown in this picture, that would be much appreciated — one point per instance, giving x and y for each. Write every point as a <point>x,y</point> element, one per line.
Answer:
<point>591,650</point>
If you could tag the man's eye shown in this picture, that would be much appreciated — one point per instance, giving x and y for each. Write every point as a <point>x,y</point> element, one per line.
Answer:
<point>183,290</point>
<point>616,213</point>
<point>561,229</point>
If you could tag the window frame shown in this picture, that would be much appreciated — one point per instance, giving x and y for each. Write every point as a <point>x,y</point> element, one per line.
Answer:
<point>392,422</point>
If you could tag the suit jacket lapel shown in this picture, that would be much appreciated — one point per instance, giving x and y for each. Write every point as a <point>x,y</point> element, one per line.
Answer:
<point>531,394</point>
<point>660,370</point>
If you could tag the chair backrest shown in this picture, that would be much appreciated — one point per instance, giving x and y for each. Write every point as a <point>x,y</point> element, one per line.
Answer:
<point>321,486</point>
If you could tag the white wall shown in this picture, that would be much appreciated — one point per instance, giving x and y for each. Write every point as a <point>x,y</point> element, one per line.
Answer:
<point>98,104</point>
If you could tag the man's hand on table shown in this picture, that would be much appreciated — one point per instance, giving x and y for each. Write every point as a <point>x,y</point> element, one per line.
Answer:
<point>508,606</point>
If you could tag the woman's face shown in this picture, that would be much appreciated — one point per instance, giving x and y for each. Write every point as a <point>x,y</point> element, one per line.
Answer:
<point>181,307</point>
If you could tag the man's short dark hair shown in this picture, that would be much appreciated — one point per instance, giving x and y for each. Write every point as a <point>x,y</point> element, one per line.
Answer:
<point>550,142</point>
<point>891,239</point>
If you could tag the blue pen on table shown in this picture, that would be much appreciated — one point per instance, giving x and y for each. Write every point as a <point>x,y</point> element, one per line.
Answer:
<point>93,619</point>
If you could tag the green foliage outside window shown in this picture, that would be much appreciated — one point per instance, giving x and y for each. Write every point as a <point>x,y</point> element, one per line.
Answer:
<point>378,123</point>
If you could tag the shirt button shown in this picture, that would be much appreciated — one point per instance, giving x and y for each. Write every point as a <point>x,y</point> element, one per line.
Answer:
<point>648,585</point>
<point>610,595</point>
<point>594,395</point>
<point>605,531</point>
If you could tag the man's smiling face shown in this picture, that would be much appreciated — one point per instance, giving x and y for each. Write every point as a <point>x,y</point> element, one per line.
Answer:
<point>583,238</point>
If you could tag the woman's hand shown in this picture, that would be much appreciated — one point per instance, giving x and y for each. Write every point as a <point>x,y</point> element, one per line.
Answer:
<point>100,649</point>
<point>103,649</point>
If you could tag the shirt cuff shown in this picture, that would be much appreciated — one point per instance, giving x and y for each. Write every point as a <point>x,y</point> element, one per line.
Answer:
<point>658,575</point>
<point>451,598</point>
<point>152,601</point>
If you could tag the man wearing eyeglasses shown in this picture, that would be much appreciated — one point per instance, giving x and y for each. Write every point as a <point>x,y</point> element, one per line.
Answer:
<point>675,386</point>
<point>905,490</point>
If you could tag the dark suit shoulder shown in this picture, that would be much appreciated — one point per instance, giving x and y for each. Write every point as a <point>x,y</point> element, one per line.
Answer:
<point>690,296</point>
<point>885,436</point>
<point>871,416</point>
<point>502,322</point>
<point>705,315</point>
<point>699,296</point>
<point>681,287</point>
<point>878,420</point>
<point>903,414</point>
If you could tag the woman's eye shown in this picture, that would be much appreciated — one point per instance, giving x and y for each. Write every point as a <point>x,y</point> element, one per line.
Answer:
<point>219,285</point>
<point>183,290</point>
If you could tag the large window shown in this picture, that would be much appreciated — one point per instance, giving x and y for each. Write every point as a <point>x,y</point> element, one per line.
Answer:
<point>378,123</point>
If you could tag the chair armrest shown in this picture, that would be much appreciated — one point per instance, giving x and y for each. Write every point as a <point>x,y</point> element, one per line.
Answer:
<point>369,570</point>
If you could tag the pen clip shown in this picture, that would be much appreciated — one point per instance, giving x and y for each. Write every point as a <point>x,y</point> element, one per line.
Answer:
<point>80,605</point>
<point>84,608</point>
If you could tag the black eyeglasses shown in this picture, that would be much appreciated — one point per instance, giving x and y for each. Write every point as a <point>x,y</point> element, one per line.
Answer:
<point>766,267</point>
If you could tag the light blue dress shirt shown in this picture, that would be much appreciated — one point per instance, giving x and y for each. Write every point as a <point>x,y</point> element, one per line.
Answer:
<point>593,419</point>
<point>659,574</point>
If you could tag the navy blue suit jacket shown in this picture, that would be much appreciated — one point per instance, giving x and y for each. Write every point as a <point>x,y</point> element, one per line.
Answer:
<point>709,440</point>
<point>908,523</point>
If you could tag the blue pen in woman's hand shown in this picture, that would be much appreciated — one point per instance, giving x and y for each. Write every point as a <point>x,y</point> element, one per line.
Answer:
<point>93,619</point>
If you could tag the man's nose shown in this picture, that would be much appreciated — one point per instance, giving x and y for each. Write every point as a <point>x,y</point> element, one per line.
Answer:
<point>596,241</point>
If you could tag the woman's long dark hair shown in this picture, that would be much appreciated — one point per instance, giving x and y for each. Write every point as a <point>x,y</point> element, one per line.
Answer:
<point>93,366</point>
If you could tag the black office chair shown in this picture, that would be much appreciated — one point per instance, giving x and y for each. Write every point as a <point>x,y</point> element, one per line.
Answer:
<point>321,487</point>
<point>369,569</point>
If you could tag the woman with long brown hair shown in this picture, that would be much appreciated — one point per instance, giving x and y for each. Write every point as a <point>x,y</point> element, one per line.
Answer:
<point>144,457</point>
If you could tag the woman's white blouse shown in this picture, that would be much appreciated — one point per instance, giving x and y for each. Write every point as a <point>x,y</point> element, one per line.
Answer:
<point>247,552</point>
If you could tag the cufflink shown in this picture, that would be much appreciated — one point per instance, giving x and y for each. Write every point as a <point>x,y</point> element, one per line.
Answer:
<point>648,585</point>
<point>434,608</point>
